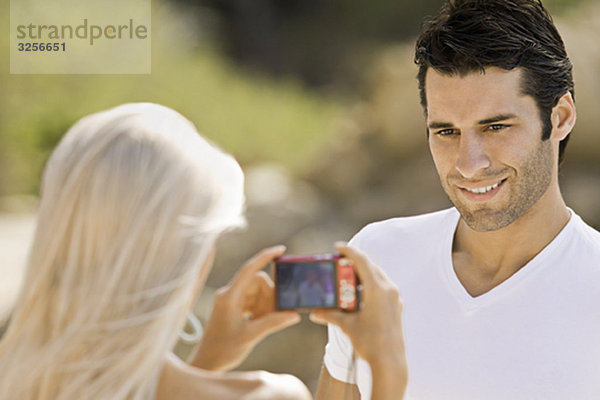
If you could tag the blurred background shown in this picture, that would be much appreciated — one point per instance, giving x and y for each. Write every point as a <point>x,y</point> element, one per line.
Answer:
<point>317,99</point>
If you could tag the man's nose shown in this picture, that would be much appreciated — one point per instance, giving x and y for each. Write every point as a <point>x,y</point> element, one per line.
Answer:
<point>472,155</point>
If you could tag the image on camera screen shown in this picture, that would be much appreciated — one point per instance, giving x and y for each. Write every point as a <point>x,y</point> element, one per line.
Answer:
<point>305,285</point>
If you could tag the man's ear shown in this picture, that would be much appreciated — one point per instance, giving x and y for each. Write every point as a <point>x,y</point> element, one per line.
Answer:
<point>563,117</point>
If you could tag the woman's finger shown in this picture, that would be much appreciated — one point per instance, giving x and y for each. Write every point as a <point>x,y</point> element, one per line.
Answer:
<point>262,299</point>
<point>256,263</point>
<point>273,322</point>
<point>366,271</point>
<point>339,318</point>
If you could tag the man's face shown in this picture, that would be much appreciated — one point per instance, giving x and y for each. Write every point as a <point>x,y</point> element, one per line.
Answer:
<point>486,141</point>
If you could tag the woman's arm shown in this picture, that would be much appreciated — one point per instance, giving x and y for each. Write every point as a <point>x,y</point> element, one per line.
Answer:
<point>243,315</point>
<point>375,332</point>
<point>183,382</point>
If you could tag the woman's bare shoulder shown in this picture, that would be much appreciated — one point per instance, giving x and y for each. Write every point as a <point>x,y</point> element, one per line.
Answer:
<point>259,385</point>
<point>180,381</point>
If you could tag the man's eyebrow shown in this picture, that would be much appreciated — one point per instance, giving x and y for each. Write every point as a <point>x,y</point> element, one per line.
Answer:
<point>487,121</point>
<point>439,125</point>
<point>497,118</point>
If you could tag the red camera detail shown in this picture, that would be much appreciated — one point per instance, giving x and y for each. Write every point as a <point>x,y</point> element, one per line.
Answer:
<point>346,284</point>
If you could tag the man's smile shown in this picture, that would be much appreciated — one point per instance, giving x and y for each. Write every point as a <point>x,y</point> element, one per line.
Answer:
<point>480,191</point>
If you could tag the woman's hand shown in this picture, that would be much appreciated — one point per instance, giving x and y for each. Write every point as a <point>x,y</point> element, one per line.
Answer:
<point>376,329</point>
<point>243,314</point>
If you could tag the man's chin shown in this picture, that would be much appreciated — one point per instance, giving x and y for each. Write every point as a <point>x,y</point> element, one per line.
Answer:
<point>486,220</point>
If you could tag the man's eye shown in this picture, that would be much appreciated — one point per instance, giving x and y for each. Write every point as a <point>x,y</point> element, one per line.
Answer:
<point>446,132</point>
<point>497,127</point>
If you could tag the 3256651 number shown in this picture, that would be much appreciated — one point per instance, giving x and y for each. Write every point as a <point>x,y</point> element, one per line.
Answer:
<point>42,46</point>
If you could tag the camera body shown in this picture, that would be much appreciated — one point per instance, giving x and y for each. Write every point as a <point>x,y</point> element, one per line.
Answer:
<point>315,281</point>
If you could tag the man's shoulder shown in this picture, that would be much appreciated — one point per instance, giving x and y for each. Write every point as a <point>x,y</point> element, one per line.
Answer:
<point>589,237</point>
<point>413,223</point>
<point>416,226</point>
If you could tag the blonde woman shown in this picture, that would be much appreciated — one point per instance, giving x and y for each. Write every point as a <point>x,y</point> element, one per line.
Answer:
<point>132,201</point>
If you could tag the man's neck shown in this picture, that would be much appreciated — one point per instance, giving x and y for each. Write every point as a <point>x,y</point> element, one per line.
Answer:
<point>483,260</point>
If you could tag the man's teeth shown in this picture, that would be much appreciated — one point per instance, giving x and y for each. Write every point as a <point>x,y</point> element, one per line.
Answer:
<point>484,189</point>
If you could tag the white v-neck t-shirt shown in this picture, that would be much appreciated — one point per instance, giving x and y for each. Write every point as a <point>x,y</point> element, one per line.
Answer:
<point>534,336</point>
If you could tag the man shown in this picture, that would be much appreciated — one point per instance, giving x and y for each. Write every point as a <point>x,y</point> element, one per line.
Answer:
<point>312,290</point>
<point>501,292</point>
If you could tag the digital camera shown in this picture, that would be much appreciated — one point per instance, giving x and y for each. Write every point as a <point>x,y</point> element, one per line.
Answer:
<point>315,281</point>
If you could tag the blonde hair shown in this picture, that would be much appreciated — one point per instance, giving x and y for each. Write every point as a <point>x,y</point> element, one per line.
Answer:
<point>132,201</point>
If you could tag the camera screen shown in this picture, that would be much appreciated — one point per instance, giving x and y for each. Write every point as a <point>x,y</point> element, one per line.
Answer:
<point>305,285</point>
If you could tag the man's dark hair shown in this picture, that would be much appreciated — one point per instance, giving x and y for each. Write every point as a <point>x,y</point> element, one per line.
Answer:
<point>469,35</point>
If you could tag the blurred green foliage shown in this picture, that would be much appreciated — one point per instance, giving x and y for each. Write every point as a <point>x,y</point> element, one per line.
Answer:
<point>559,6</point>
<point>246,113</point>
<point>326,43</point>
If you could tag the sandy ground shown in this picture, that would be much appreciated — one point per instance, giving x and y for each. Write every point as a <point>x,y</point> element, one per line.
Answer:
<point>16,231</point>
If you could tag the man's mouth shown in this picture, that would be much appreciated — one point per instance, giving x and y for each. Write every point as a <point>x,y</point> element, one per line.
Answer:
<point>482,189</point>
